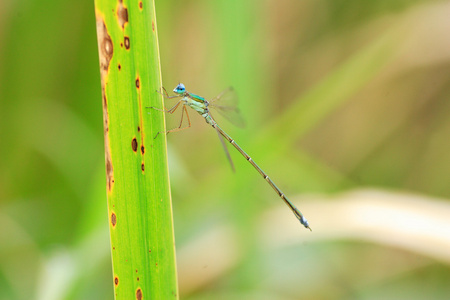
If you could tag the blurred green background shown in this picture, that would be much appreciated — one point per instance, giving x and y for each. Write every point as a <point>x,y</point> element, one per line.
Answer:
<point>347,108</point>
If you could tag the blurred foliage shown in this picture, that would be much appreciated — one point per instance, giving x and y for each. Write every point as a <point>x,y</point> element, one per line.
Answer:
<point>337,95</point>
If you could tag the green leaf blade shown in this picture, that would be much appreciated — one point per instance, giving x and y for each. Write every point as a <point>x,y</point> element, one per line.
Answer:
<point>139,202</point>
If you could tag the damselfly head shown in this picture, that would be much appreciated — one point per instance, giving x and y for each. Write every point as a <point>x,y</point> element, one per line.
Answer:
<point>179,89</point>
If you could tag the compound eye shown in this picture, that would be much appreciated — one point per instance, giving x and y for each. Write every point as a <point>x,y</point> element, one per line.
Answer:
<point>179,88</point>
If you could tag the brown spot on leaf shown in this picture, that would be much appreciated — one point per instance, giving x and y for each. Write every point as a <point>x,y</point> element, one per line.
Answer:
<point>113,219</point>
<point>142,149</point>
<point>119,66</point>
<point>105,51</point>
<point>139,294</point>
<point>126,42</point>
<point>139,128</point>
<point>134,144</point>
<point>153,26</point>
<point>142,167</point>
<point>105,45</point>
<point>140,5</point>
<point>137,278</point>
<point>109,168</point>
<point>105,102</point>
<point>116,281</point>
<point>122,15</point>
<point>137,83</point>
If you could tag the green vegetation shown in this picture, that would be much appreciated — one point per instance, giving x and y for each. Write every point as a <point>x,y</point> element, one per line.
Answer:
<point>139,204</point>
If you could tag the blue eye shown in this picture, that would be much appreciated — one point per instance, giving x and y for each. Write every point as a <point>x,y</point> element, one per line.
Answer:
<point>179,88</point>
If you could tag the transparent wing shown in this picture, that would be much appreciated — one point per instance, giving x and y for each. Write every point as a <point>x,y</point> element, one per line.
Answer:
<point>226,151</point>
<point>226,104</point>
<point>224,146</point>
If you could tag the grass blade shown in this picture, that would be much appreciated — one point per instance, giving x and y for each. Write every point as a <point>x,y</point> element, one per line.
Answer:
<point>139,203</point>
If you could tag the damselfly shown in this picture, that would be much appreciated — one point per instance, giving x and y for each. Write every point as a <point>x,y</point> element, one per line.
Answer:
<point>201,105</point>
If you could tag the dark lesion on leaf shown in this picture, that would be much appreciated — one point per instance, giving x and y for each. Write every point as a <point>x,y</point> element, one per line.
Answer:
<point>113,219</point>
<point>106,51</point>
<point>105,45</point>
<point>134,144</point>
<point>139,294</point>
<point>122,15</point>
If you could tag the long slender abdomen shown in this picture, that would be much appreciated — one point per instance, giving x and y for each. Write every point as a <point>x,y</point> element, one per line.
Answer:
<point>294,209</point>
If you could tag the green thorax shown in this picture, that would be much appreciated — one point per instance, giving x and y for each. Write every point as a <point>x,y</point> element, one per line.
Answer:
<point>199,104</point>
<point>197,97</point>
